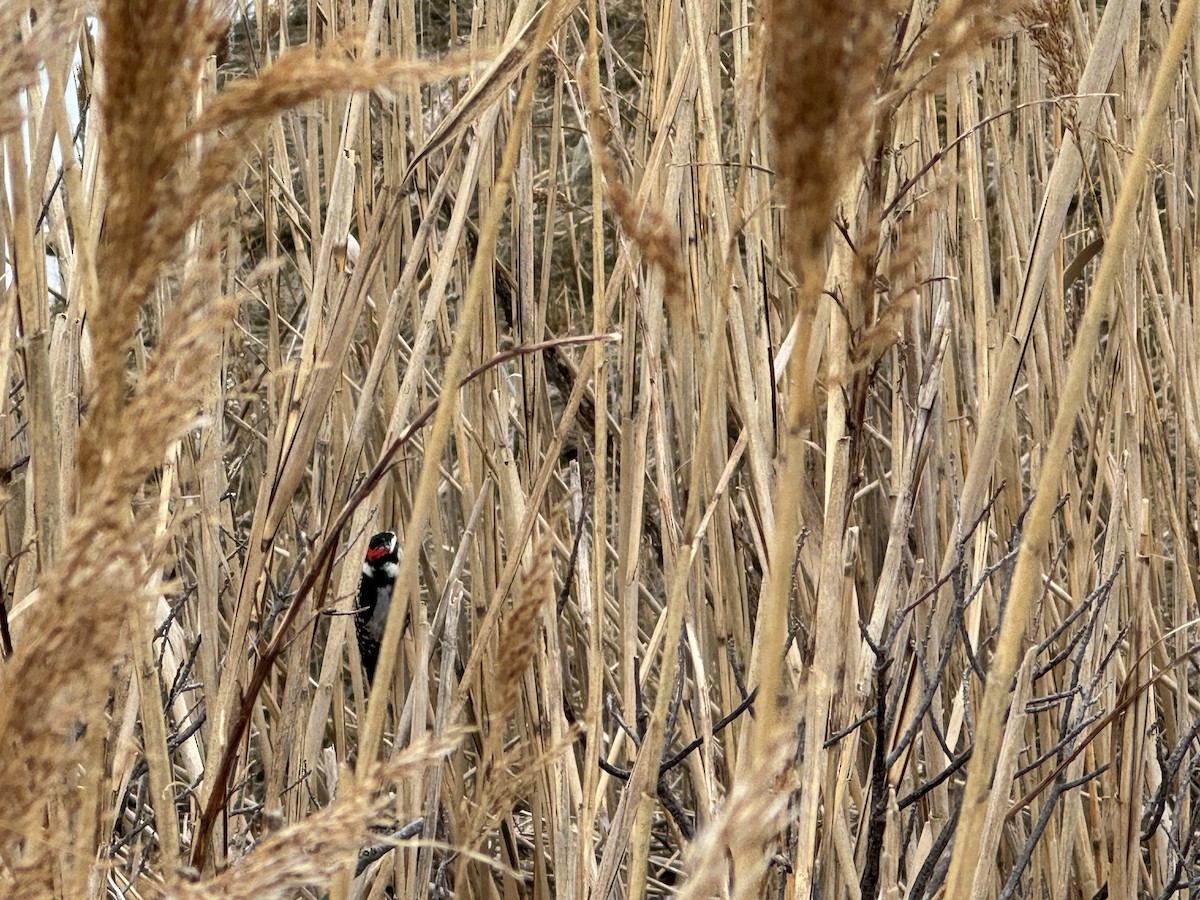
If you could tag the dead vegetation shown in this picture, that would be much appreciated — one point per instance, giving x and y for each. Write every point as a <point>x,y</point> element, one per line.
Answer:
<point>787,413</point>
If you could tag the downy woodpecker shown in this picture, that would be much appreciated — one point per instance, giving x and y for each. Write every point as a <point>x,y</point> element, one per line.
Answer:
<point>375,597</point>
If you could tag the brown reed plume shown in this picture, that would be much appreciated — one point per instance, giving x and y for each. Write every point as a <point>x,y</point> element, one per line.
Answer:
<point>92,595</point>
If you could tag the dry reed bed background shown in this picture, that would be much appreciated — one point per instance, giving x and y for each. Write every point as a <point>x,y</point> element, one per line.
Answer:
<point>814,517</point>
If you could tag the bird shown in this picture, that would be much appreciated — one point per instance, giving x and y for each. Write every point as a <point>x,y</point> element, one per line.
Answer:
<point>375,597</point>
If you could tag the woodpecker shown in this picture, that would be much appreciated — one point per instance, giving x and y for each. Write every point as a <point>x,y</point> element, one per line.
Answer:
<point>375,597</point>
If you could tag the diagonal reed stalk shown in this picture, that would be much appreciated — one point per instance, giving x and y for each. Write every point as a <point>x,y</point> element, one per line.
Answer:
<point>1027,576</point>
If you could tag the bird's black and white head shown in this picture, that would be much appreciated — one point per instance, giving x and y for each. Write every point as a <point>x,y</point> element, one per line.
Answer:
<point>382,557</point>
<point>375,597</point>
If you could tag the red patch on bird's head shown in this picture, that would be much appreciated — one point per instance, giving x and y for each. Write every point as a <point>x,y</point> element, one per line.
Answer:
<point>375,554</point>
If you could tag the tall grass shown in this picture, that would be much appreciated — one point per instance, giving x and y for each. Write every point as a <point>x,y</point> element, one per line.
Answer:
<point>787,413</point>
